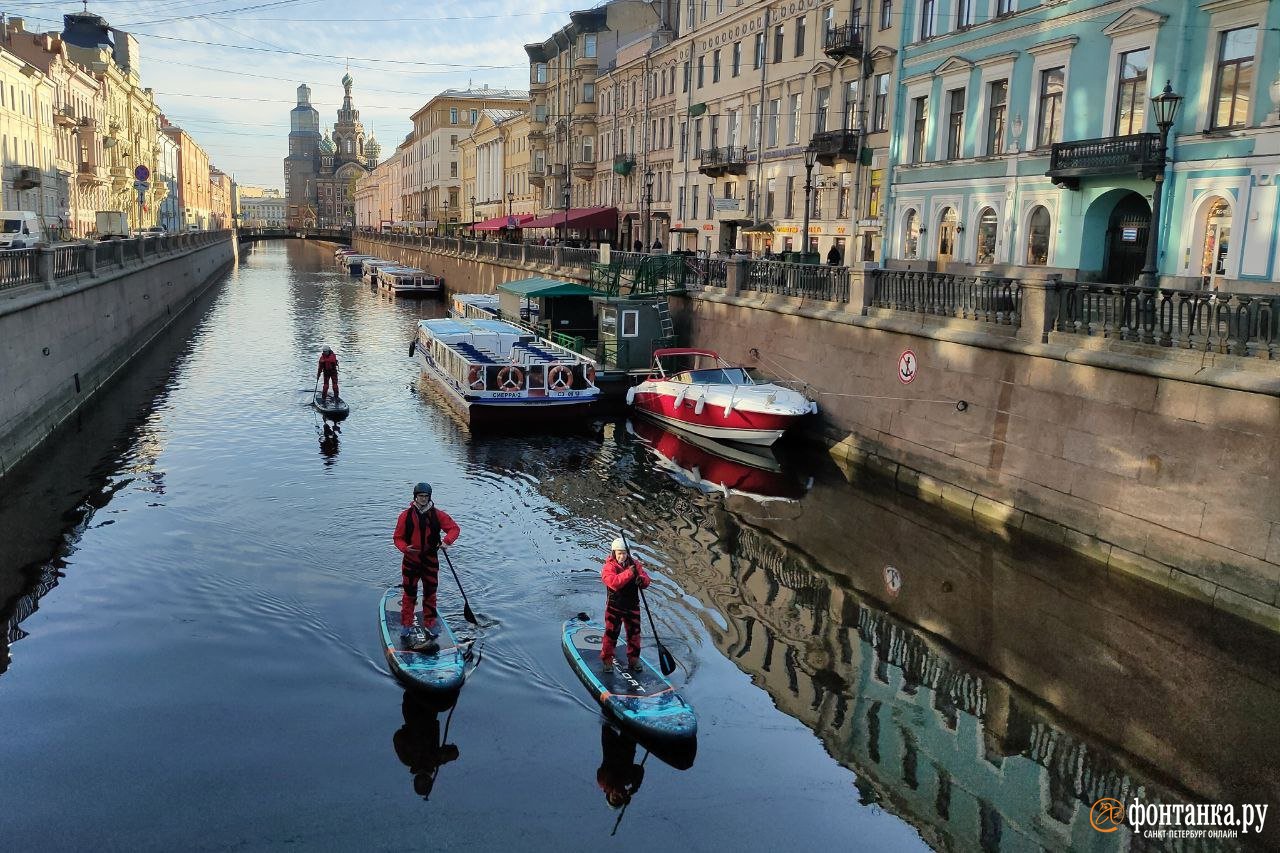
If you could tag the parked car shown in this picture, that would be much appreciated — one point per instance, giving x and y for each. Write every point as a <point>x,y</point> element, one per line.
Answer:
<point>155,231</point>
<point>20,229</point>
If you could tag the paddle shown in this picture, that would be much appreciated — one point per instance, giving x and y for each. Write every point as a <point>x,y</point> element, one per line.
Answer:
<point>466,605</point>
<point>665,661</point>
<point>618,822</point>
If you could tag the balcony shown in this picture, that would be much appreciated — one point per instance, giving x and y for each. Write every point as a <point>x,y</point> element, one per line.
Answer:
<point>1138,155</point>
<point>536,86</point>
<point>65,116</point>
<point>843,41</point>
<point>26,178</point>
<point>584,169</point>
<point>833,145</point>
<point>89,174</point>
<point>717,162</point>
<point>623,164</point>
<point>537,175</point>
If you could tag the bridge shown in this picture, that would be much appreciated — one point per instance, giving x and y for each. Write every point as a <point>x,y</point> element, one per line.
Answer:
<point>251,235</point>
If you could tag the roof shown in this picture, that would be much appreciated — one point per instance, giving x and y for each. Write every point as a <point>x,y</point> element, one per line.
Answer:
<point>499,116</point>
<point>542,287</point>
<point>486,92</point>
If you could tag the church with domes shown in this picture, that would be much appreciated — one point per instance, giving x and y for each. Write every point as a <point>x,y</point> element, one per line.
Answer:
<point>320,172</point>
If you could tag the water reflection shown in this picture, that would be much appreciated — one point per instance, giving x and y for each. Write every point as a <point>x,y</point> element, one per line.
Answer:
<point>328,432</point>
<point>421,744</point>
<point>712,466</point>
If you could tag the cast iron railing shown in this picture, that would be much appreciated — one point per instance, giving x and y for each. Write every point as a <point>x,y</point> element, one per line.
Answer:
<point>803,280</point>
<point>986,299</point>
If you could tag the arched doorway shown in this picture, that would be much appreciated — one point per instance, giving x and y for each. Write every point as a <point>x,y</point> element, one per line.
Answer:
<point>948,250</point>
<point>1217,244</point>
<point>1126,249</point>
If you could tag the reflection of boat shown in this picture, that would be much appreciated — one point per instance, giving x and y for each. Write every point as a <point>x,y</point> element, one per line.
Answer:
<point>497,374</point>
<point>716,399</point>
<point>419,743</point>
<point>711,466</point>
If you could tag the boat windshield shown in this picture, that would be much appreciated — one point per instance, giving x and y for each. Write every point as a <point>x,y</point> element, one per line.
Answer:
<point>718,375</point>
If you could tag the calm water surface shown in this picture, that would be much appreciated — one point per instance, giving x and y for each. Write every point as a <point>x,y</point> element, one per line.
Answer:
<point>191,581</point>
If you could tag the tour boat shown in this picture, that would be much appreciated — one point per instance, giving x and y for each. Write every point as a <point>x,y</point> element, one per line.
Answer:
<point>409,281</point>
<point>370,266</point>
<point>352,263</point>
<point>497,374</point>
<point>712,467</point>
<point>481,306</point>
<point>716,399</point>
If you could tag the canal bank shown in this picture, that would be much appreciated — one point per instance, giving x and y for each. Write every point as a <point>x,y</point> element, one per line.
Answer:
<point>81,314</point>
<point>1019,413</point>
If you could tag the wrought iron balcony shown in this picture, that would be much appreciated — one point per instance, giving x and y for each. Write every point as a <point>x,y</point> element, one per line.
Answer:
<point>584,168</point>
<point>843,40</point>
<point>623,164</point>
<point>1138,154</point>
<point>833,145</point>
<point>716,162</point>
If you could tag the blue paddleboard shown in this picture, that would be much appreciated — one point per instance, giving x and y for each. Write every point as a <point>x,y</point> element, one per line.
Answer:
<point>440,671</point>
<point>644,701</point>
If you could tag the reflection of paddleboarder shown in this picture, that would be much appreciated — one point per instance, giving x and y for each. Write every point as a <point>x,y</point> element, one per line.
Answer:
<point>619,776</point>
<point>329,440</point>
<point>419,745</point>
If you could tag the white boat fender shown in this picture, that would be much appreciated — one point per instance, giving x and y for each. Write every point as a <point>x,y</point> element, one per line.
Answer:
<point>680,397</point>
<point>729,407</point>
<point>700,405</point>
<point>813,407</point>
<point>631,395</point>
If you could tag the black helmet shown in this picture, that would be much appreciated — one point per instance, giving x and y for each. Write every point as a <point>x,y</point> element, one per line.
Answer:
<point>326,350</point>
<point>422,489</point>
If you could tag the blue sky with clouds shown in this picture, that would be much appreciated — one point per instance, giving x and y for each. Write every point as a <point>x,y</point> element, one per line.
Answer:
<point>228,71</point>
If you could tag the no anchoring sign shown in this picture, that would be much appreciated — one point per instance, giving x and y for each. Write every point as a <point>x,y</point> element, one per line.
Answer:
<point>908,367</point>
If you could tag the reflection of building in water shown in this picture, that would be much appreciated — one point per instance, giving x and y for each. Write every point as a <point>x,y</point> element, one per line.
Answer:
<point>962,756</point>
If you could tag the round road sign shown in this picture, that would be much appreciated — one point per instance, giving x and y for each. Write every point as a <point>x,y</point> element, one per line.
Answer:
<point>908,367</point>
<point>142,173</point>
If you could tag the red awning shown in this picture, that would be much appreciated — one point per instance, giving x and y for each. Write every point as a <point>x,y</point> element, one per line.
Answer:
<point>579,217</point>
<point>500,222</point>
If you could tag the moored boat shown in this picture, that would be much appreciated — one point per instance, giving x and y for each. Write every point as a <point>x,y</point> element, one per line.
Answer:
<point>370,266</point>
<point>352,263</point>
<point>716,399</point>
<point>497,374</point>
<point>409,281</point>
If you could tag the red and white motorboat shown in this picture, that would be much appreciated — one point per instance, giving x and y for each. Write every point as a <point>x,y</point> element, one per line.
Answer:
<point>716,399</point>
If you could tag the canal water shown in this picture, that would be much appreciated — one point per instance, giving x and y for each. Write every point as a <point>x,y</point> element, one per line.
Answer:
<point>190,577</point>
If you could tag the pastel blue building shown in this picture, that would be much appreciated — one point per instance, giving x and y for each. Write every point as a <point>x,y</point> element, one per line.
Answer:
<point>1025,138</point>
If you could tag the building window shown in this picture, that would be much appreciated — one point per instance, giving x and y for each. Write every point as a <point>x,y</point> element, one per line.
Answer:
<point>759,56</point>
<point>737,58</point>
<point>876,181</point>
<point>680,203</point>
<point>475,116</point>
<point>880,107</point>
<point>1233,78</point>
<point>1006,7</point>
<point>820,115</point>
<point>685,81</point>
<point>920,118</point>
<point>828,22</point>
<point>964,14</point>
<point>453,115</point>
<point>911,236</point>
<point>1131,95</point>
<point>997,101</point>
<point>926,18</point>
<point>789,199</point>
<point>697,138</point>
<point>1049,126</point>
<point>1038,237</point>
<point>588,92</point>
<point>795,118</point>
<point>769,187</point>
<point>955,124</point>
<point>684,139</point>
<point>732,139</point>
<point>775,106</point>
<point>701,74</point>
<point>779,39</point>
<point>715,66</point>
<point>947,223</point>
<point>589,45</point>
<point>842,201</point>
<point>886,14</point>
<point>851,121</point>
<point>986,247</point>
<point>695,203</point>
<point>800,34</point>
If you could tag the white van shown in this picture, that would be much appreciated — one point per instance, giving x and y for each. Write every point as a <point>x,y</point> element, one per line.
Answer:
<point>20,229</point>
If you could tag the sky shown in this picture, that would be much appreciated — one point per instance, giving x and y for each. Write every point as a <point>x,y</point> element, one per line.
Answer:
<point>228,71</point>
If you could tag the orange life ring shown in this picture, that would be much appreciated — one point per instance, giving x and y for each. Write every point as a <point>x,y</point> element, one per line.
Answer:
<point>475,377</point>
<point>510,378</point>
<point>560,377</point>
<point>590,372</point>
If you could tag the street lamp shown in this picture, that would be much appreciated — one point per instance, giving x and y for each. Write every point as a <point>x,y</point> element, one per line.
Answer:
<point>473,216</point>
<point>810,159</point>
<point>510,197</point>
<point>648,200</point>
<point>444,218</point>
<point>1166,108</point>
<point>565,238</point>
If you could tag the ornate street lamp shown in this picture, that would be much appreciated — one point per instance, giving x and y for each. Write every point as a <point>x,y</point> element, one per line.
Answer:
<point>648,201</point>
<point>810,160</point>
<point>565,238</point>
<point>1166,109</point>
<point>473,216</point>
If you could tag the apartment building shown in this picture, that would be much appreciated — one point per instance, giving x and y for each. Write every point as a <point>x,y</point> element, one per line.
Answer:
<point>377,197</point>
<point>432,189</point>
<point>195,203</point>
<point>487,186</point>
<point>1028,139</point>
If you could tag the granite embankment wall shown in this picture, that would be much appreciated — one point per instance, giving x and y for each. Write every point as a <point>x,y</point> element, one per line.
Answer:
<point>87,310</point>
<point>1160,462</point>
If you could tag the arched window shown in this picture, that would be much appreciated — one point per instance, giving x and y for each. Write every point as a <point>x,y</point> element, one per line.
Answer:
<point>1038,237</point>
<point>947,223</point>
<point>911,235</point>
<point>986,247</point>
<point>350,147</point>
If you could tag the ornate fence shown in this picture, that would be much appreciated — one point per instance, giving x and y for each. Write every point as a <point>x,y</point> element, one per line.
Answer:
<point>18,267</point>
<point>987,299</point>
<point>1235,323</point>
<point>809,281</point>
<point>570,255</point>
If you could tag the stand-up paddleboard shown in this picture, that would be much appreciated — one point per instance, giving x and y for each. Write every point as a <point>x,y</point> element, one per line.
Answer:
<point>331,407</point>
<point>440,671</point>
<point>644,701</point>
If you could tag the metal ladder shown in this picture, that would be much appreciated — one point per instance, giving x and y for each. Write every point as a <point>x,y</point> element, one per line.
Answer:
<point>664,321</point>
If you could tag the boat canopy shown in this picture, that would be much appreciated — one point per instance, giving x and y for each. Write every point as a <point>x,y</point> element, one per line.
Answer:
<point>538,288</point>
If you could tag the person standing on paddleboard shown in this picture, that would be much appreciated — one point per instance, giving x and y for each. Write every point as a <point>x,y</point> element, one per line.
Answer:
<point>328,368</point>
<point>623,577</point>
<point>421,530</point>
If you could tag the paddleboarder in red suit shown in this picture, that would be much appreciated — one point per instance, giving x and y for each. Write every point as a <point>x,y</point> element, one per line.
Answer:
<point>421,530</point>
<point>623,577</point>
<point>328,368</point>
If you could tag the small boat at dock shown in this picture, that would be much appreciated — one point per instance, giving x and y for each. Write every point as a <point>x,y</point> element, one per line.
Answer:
<point>409,281</point>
